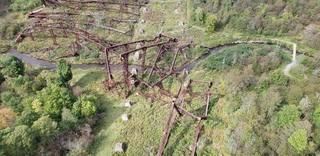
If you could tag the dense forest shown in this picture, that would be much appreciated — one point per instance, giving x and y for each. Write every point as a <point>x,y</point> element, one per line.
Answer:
<point>256,108</point>
<point>38,106</point>
<point>265,17</point>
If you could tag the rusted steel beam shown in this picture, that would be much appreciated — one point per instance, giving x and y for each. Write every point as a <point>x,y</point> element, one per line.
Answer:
<point>143,82</point>
<point>162,91</point>
<point>143,62</point>
<point>64,32</point>
<point>184,91</point>
<point>174,60</point>
<point>185,112</point>
<point>57,35</point>
<point>66,56</point>
<point>176,39</point>
<point>148,46</point>
<point>178,111</point>
<point>196,137</point>
<point>207,104</point>
<point>140,41</point>
<point>161,80</point>
<point>107,64</point>
<point>125,71</point>
<point>166,132</point>
<point>107,2</point>
<point>122,20</point>
<point>31,36</point>
<point>86,35</point>
<point>51,47</point>
<point>95,42</point>
<point>93,7</point>
<point>39,14</point>
<point>53,37</point>
<point>155,64</point>
<point>61,17</point>
<point>36,11</point>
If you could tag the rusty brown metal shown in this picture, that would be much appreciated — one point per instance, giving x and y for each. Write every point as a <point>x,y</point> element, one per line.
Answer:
<point>205,96</point>
<point>151,80</point>
<point>196,136</point>
<point>98,5</point>
<point>167,130</point>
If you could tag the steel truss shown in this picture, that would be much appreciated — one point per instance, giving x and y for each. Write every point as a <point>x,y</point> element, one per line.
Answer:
<point>148,66</point>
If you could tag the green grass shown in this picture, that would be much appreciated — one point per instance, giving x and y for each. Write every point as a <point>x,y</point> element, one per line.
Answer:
<point>109,126</point>
<point>87,78</point>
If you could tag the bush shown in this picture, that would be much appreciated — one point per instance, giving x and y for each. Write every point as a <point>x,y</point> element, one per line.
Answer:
<point>298,140</point>
<point>20,142</point>
<point>85,106</point>
<point>52,99</point>
<point>11,100</point>
<point>210,22</point>
<point>22,5</point>
<point>21,84</point>
<point>27,118</point>
<point>64,71</point>
<point>288,114</point>
<point>11,65</point>
<point>316,116</point>
<point>278,78</point>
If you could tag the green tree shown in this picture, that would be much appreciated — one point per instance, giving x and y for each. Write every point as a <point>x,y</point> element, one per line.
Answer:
<point>88,108</point>
<point>38,83</point>
<point>11,100</point>
<point>269,105</point>
<point>210,22</point>
<point>45,128</point>
<point>85,106</point>
<point>295,94</point>
<point>3,132</point>
<point>298,140</point>
<point>11,65</point>
<point>316,116</point>
<point>68,120</point>
<point>21,84</point>
<point>278,78</point>
<point>288,114</point>
<point>64,71</point>
<point>52,99</point>
<point>200,16</point>
<point>27,117</point>
<point>20,142</point>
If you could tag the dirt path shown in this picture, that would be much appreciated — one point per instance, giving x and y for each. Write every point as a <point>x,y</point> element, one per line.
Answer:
<point>294,54</point>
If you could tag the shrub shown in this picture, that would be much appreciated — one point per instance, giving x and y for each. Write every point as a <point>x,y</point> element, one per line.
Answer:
<point>278,78</point>
<point>298,140</point>
<point>11,100</point>
<point>11,65</point>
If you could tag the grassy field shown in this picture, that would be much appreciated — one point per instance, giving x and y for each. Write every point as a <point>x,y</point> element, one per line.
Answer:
<point>109,126</point>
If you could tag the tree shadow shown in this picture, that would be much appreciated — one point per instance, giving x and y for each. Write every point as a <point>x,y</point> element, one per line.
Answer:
<point>89,78</point>
<point>102,130</point>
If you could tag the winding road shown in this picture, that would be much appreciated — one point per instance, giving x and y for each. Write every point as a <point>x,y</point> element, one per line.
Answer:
<point>49,65</point>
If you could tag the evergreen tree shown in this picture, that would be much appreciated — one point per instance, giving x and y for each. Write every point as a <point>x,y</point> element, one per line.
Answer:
<point>64,71</point>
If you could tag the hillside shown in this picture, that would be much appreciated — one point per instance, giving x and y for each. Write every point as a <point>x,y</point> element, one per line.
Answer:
<point>260,102</point>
